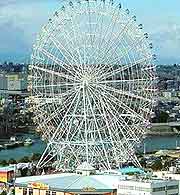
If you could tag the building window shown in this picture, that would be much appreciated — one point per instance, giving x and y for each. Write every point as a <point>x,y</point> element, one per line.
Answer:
<point>174,194</point>
<point>53,193</point>
<point>172,187</point>
<point>142,189</point>
<point>48,192</point>
<point>158,189</point>
<point>24,191</point>
<point>126,187</point>
<point>30,191</point>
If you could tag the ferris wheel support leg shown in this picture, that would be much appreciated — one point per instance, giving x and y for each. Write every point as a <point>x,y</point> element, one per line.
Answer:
<point>46,157</point>
<point>133,158</point>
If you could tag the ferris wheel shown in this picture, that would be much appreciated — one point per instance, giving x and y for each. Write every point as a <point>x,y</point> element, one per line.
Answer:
<point>92,85</point>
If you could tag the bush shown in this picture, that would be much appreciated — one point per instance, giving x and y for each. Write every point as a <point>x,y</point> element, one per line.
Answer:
<point>3,193</point>
<point>157,165</point>
<point>35,157</point>
<point>24,172</point>
<point>163,117</point>
<point>25,159</point>
<point>12,161</point>
<point>3,163</point>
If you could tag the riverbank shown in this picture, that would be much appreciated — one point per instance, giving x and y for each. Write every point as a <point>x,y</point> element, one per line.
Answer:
<point>160,133</point>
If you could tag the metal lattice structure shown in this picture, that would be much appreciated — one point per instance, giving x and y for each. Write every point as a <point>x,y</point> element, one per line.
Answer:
<point>92,84</point>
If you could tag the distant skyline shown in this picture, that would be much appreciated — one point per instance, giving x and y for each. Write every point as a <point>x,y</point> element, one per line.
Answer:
<point>21,20</point>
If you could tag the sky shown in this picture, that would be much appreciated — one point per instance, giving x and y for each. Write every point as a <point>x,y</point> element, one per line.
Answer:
<point>21,20</point>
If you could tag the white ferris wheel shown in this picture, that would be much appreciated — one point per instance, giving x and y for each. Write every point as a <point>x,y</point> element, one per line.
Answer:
<point>92,85</point>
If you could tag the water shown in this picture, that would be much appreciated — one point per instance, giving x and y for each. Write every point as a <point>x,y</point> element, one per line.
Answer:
<point>20,152</point>
<point>153,143</point>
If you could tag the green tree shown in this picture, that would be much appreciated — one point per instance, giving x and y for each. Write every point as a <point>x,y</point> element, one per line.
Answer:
<point>163,117</point>
<point>4,163</point>
<point>167,164</point>
<point>24,172</point>
<point>12,161</point>
<point>3,193</point>
<point>35,157</point>
<point>25,159</point>
<point>157,165</point>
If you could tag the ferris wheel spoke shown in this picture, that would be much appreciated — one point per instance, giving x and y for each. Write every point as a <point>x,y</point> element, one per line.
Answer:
<point>99,110</point>
<point>52,72</point>
<point>64,51</point>
<point>99,133</point>
<point>126,137</point>
<point>122,105</point>
<point>124,93</point>
<point>99,26</point>
<point>76,41</point>
<point>101,157</point>
<point>118,117</point>
<point>56,60</point>
<point>129,81</point>
<point>85,121</point>
<point>123,68</point>
<point>114,46</point>
<point>54,98</point>
<point>99,98</point>
<point>77,131</point>
<point>74,152</point>
<point>124,127</point>
<point>56,85</point>
<point>56,112</point>
<point>65,115</point>
<point>125,52</point>
<point>107,123</point>
<point>68,130</point>
<point>117,39</point>
<point>98,19</point>
<point>100,43</point>
<point>105,34</point>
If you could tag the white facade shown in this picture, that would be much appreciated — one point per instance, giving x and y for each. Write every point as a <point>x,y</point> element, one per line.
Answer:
<point>167,94</point>
<point>168,174</point>
<point>13,81</point>
<point>148,187</point>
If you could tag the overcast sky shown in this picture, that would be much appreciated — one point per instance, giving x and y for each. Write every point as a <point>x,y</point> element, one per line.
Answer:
<point>21,20</point>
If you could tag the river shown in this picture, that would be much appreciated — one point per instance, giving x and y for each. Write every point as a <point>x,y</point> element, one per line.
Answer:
<point>151,143</point>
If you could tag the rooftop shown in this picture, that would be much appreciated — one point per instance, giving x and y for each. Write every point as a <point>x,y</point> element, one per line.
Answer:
<point>128,170</point>
<point>85,167</point>
<point>6,169</point>
<point>72,182</point>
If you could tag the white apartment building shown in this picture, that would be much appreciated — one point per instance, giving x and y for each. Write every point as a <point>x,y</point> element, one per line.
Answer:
<point>148,187</point>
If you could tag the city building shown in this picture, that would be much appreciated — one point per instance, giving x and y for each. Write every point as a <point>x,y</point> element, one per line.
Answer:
<point>65,183</point>
<point>148,187</point>
<point>13,83</point>
<point>171,174</point>
<point>6,174</point>
<point>167,94</point>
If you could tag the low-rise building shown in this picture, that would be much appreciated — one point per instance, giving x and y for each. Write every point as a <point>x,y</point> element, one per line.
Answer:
<point>84,181</point>
<point>65,183</point>
<point>148,187</point>
<point>171,174</point>
<point>6,174</point>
